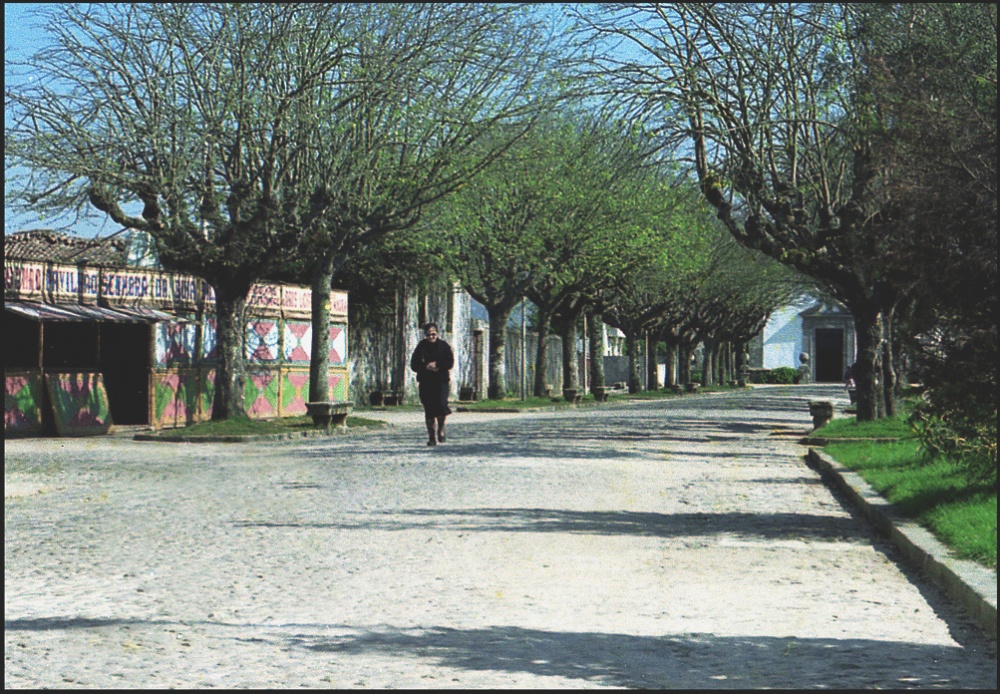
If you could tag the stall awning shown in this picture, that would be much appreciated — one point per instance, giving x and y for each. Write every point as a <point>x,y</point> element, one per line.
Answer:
<point>79,313</point>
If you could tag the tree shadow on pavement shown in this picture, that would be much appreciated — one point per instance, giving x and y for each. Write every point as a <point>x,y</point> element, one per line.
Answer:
<point>641,524</point>
<point>685,661</point>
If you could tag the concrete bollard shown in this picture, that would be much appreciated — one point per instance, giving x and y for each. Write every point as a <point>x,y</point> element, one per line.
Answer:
<point>821,412</point>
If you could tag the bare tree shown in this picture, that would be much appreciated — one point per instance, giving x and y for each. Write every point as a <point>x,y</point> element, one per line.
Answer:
<point>174,119</point>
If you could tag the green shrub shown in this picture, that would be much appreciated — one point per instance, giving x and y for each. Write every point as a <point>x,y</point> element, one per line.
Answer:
<point>782,374</point>
<point>970,439</point>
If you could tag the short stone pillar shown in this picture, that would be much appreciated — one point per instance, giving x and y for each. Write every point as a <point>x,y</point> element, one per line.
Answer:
<point>691,387</point>
<point>821,411</point>
<point>600,393</point>
<point>805,373</point>
<point>572,395</point>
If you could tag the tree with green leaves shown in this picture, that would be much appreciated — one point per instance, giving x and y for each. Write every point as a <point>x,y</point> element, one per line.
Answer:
<point>428,96</point>
<point>774,104</point>
<point>591,167</point>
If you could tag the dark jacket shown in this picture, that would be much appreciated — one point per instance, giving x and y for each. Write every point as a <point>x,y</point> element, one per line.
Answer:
<point>426,352</point>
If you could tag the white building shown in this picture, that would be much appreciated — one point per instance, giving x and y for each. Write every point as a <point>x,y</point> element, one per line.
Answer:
<point>822,330</point>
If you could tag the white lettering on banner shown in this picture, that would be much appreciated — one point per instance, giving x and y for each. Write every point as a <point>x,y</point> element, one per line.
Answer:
<point>338,302</point>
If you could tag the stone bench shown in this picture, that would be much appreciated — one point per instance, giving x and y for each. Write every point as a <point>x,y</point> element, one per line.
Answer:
<point>324,414</point>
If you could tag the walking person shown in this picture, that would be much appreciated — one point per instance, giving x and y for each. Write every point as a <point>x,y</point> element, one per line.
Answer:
<point>432,360</point>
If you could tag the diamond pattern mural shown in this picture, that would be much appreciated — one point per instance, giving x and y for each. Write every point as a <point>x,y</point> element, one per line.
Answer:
<point>298,342</point>
<point>338,345</point>
<point>175,343</point>
<point>294,392</point>
<point>174,399</point>
<point>262,341</point>
<point>262,394</point>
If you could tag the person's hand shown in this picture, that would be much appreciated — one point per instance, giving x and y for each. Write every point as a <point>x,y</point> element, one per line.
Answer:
<point>432,366</point>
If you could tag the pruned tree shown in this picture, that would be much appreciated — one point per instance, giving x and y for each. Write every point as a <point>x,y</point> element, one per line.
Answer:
<point>427,96</point>
<point>177,119</point>
<point>773,103</point>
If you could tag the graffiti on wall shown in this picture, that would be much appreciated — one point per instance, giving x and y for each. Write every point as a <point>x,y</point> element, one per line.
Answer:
<point>175,343</point>
<point>79,403</point>
<point>22,400</point>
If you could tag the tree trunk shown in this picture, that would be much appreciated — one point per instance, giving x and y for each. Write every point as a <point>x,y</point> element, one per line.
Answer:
<point>319,360</point>
<point>652,370</point>
<point>596,338</point>
<point>571,368</point>
<point>229,401</point>
<point>544,319</point>
<point>683,364</point>
<point>890,386</point>
<point>707,363</point>
<point>497,385</point>
<point>632,344</point>
<point>669,379</point>
<point>868,329</point>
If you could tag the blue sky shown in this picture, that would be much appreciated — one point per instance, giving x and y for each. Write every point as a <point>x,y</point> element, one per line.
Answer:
<point>22,36</point>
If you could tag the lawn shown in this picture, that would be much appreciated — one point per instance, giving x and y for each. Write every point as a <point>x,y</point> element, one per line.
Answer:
<point>940,495</point>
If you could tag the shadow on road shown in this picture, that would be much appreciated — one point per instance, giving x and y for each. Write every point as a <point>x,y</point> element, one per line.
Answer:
<point>689,661</point>
<point>538,520</point>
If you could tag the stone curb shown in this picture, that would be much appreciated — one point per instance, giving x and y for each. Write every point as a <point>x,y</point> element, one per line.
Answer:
<point>970,585</point>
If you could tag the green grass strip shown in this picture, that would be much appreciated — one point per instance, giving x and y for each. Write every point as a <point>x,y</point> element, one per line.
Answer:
<point>959,511</point>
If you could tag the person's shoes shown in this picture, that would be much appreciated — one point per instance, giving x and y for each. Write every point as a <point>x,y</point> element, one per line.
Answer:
<point>441,436</point>
<point>431,442</point>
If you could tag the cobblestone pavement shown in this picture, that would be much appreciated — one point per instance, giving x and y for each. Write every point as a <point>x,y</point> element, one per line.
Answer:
<point>662,544</point>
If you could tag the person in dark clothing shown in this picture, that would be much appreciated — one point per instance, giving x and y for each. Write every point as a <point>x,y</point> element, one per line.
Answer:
<point>432,360</point>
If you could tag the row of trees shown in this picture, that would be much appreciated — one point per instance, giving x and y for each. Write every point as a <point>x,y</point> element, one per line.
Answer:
<point>254,140</point>
<point>854,143</point>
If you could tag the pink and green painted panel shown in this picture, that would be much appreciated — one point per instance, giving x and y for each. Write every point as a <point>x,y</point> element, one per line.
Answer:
<point>262,393</point>
<point>175,399</point>
<point>294,392</point>
<point>22,412</point>
<point>79,403</point>
<point>338,386</point>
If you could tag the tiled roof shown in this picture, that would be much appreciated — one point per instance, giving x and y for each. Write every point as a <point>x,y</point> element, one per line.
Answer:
<point>46,245</point>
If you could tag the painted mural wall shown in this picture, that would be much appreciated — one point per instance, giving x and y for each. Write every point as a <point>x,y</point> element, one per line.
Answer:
<point>181,366</point>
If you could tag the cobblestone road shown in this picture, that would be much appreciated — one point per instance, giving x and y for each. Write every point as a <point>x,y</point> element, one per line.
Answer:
<point>661,544</point>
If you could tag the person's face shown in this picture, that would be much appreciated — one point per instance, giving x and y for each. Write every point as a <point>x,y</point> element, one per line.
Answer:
<point>431,334</point>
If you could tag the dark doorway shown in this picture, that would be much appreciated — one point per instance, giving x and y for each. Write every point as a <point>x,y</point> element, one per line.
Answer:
<point>125,363</point>
<point>829,355</point>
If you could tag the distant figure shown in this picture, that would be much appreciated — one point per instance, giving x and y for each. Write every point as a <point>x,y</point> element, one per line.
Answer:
<point>432,360</point>
<point>849,377</point>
